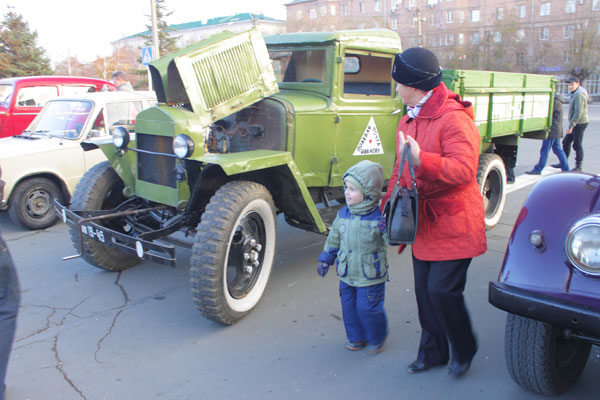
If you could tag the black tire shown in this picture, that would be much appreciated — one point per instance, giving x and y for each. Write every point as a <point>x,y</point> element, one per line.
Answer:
<point>32,203</point>
<point>100,188</point>
<point>225,285</point>
<point>539,358</point>
<point>491,176</point>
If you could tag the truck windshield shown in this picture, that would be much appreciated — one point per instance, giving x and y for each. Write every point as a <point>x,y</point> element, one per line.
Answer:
<point>299,65</point>
<point>61,118</point>
<point>5,93</point>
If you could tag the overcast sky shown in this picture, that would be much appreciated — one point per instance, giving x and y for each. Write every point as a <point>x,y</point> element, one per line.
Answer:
<point>85,28</point>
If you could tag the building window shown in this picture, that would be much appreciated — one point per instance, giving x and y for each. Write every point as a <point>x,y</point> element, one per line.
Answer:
<point>522,11</point>
<point>545,33</point>
<point>298,15</point>
<point>497,37</point>
<point>450,40</point>
<point>461,16</point>
<point>566,57</point>
<point>545,9</point>
<point>361,7</point>
<point>433,41</point>
<point>570,7</point>
<point>394,23</point>
<point>312,13</point>
<point>474,15</point>
<point>344,9</point>
<point>521,58</point>
<point>596,5</point>
<point>449,17</point>
<point>332,10</point>
<point>323,10</point>
<point>569,32</point>
<point>461,38</point>
<point>410,5</point>
<point>475,38</point>
<point>377,6</point>
<point>500,13</point>
<point>520,35</point>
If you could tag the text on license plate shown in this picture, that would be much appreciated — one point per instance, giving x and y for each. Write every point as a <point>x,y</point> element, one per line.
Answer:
<point>92,232</point>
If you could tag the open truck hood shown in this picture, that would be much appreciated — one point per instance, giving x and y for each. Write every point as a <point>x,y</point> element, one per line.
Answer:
<point>217,76</point>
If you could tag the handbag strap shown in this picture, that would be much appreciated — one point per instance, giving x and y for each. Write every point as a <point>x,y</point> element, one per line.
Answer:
<point>406,156</point>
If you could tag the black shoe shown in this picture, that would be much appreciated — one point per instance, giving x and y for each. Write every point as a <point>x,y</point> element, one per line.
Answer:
<point>577,169</point>
<point>555,165</point>
<point>533,172</point>
<point>459,369</point>
<point>419,366</point>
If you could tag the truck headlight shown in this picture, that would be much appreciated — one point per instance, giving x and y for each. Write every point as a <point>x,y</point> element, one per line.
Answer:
<point>120,137</point>
<point>183,146</point>
<point>583,244</point>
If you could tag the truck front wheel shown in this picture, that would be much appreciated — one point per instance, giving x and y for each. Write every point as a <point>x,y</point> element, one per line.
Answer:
<point>100,188</point>
<point>540,358</point>
<point>491,177</point>
<point>233,251</point>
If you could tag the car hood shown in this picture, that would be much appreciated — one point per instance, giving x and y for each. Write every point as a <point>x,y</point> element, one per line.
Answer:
<point>18,146</point>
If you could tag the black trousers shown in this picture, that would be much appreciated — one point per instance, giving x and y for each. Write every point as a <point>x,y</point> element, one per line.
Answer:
<point>444,318</point>
<point>575,138</point>
<point>9,306</point>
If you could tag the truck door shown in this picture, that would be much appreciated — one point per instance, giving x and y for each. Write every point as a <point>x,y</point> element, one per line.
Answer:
<point>367,110</point>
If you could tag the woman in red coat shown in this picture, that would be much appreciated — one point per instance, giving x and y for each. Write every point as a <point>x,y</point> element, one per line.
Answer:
<point>444,145</point>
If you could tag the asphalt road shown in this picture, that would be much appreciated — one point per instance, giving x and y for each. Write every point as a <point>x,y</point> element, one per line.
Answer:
<point>84,333</point>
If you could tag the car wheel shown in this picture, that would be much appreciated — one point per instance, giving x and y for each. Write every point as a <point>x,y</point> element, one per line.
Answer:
<point>32,203</point>
<point>233,251</point>
<point>491,176</point>
<point>540,358</point>
<point>100,188</point>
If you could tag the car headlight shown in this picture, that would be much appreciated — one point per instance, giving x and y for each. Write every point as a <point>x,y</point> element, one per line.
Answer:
<point>183,146</point>
<point>583,244</point>
<point>120,137</point>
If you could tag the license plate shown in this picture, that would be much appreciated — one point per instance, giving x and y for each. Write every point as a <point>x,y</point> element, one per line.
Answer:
<point>94,233</point>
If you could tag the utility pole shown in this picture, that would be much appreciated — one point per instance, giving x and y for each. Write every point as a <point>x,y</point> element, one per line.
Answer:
<point>155,43</point>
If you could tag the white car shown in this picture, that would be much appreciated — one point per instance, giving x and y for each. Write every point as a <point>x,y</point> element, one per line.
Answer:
<point>47,160</point>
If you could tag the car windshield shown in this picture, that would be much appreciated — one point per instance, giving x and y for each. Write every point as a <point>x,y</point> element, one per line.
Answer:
<point>299,65</point>
<point>61,118</point>
<point>5,93</point>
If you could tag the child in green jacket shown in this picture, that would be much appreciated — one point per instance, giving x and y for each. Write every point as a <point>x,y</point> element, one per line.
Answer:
<point>357,243</point>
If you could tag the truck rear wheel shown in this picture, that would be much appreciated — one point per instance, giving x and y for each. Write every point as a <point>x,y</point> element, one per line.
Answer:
<point>100,188</point>
<point>491,176</point>
<point>233,251</point>
<point>32,203</point>
<point>540,358</point>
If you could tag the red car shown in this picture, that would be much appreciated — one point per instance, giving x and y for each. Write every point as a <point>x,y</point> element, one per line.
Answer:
<point>22,98</point>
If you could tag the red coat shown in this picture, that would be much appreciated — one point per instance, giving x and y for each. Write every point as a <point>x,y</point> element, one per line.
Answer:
<point>451,222</point>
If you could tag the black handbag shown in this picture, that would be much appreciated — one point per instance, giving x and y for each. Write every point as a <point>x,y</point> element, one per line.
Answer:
<point>400,211</point>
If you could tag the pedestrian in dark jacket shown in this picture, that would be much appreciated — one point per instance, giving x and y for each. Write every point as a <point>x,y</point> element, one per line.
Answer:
<point>444,146</point>
<point>553,140</point>
<point>9,304</point>
<point>357,246</point>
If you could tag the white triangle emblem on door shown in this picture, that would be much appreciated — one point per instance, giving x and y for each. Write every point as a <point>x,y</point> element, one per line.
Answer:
<point>369,142</point>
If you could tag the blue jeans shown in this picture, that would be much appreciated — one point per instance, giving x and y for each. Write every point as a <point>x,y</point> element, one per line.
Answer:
<point>364,316</point>
<point>557,149</point>
<point>9,306</point>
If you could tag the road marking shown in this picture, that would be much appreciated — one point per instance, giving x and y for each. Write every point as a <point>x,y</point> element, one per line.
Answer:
<point>526,180</point>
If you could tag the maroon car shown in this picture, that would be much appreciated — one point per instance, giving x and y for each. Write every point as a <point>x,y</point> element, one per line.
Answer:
<point>22,98</point>
<point>550,283</point>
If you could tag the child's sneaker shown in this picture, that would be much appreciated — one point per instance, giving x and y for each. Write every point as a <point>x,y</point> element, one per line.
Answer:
<point>355,346</point>
<point>375,348</point>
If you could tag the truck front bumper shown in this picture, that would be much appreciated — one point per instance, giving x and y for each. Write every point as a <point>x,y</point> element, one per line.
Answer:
<point>162,253</point>
<point>540,307</point>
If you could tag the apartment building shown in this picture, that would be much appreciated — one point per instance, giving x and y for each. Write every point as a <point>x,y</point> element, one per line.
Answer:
<point>541,36</point>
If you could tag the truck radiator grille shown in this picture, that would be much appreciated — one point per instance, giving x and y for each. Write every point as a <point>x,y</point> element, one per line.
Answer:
<point>156,168</point>
<point>227,74</point>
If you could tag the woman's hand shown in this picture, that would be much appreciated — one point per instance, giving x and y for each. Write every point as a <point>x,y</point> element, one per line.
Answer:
<point>415,149</point>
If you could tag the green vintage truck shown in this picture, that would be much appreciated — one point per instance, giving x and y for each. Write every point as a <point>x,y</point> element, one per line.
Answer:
<point>247,128</point>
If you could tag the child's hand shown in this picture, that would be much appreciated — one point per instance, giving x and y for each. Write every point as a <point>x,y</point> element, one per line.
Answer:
<point>381,224</point>
<point>322,269</point>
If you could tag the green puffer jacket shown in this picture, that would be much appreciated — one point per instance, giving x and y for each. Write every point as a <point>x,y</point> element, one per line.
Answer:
<point>355,240</point>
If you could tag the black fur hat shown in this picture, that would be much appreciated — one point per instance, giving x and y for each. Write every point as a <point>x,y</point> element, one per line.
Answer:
<point>417,67</point>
